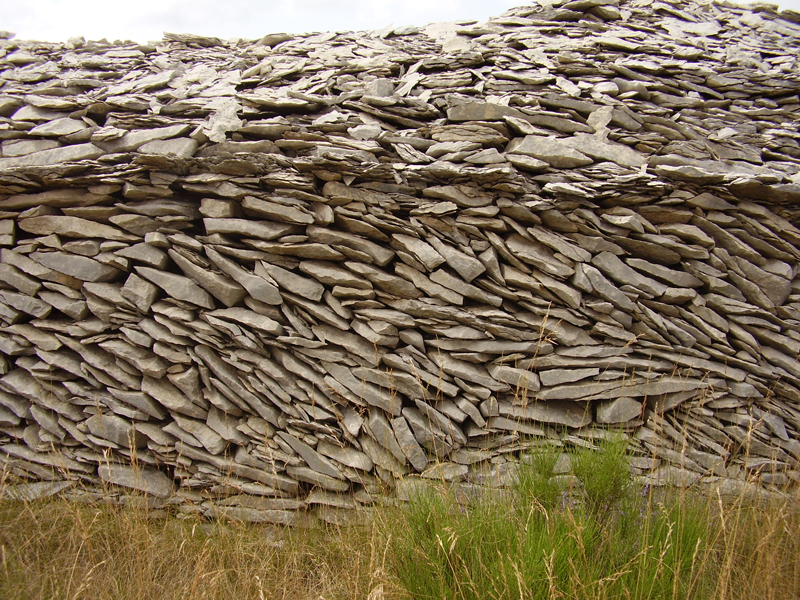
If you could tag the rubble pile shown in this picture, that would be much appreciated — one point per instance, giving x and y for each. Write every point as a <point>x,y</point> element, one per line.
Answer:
<point>260,276</point>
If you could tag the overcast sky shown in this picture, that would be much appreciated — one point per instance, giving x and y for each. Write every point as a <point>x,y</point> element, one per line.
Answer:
<point>144,20</point>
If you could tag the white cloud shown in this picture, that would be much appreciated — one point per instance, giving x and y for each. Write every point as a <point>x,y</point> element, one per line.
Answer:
<point>143,20</point>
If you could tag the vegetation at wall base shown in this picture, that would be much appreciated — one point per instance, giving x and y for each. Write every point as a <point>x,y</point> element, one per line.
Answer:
<point>67,550</point>
<point>584,532</point>
<point>598,538</point>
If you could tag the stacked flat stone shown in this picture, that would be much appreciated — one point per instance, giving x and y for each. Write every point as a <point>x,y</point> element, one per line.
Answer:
<point>253,277</point>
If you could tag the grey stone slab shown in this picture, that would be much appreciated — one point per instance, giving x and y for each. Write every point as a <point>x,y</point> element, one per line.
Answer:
<point>577,391</point>
<point>419,249</point>
<point>618,410</point>
<point>73,227</point>
<point>617,270</point>
<point>482,111</point>
<point>143,359</point>
<point>333,274</point>
<point>447,471</point>
<point>441,422</point>
<point>13,148</point>
<point>28,492</point>
<point>143,479</point>
<point>171,397</point>
<point>560,244</point>
<point>115,429</point>
<point>381,430</point>
<point>556,412</point>
<point>564,125</point>
<point>566,293</point>
<point>678,279</point>
<point>19,280</point>
<point>394,381</point>
<point>688,233</point>
<point>486,346</point>
<point>319,311</point>
<point>468,267</point>
<point>605,289</point>
<point>263,230</point>
<point>229,376</point>
<point>444,278</point>
<point>140,401</point>
<point>469,132</point>
<point>750,291</point>
<point>314,460</point>
<point>43,340</point>
<point>429,287</point>
<point>325,499</point>
<point>467,371</point>
<point>460,195</point>
<point>392,284</point>
<point>134,139</point>
<point>54,156</point>
<point>276,211</point>
<point>427,434</point>
<point>255,515</point>
<point>100,360</point>
<point>520,380</point>
<point>177,286</point>
<point>380,254</point>
<point>365,391</point>
<point>58,127</point>
<point>515,425</point>
<point>554,377</point>
<point>24,303</point>
<point>76,309</point>
<point>538,255</point>
<point>434,381</point>
<point>527,163</point>
<point>382,457</point>
<point>145,253</point>
<point>79,267</point>
<point>249,318</point>
<point>599,149</point>
<point>659,249</point>
<point>347,456</point>
<point>221,287</point>
<point>267,128</point>
<point>727,240</point>
<point>395,317</point>
<point>409,445</point>
<point>258,287</point>
<point>351,342</point>
<point>139,292</point>
<point>443,148</point>
<point>775,287</point>
<point>555,152</point>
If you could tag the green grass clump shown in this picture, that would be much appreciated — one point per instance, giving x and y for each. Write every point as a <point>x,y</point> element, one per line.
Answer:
<point>597,538</point>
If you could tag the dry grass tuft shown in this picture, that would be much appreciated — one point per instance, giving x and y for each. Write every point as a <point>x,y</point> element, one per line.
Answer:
<point>58,549</point>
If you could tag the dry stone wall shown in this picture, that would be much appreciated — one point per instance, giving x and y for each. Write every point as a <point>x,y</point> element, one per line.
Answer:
<point>267,275</point>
